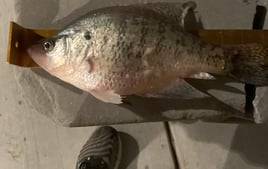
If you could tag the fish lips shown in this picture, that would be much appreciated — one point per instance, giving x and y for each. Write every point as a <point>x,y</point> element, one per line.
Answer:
<point>38,54</point>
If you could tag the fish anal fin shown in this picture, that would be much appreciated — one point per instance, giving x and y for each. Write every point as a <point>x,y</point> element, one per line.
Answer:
<point>108,96</point>
<point>202,75</point>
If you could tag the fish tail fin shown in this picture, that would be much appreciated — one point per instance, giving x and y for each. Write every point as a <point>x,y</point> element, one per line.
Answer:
<point>248,63</point>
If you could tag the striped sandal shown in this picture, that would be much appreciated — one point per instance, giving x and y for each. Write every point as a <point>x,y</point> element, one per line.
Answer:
<point>103,150</point>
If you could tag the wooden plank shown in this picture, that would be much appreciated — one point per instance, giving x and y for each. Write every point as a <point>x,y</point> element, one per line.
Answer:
<point>231,37</point>
<point>265,38</point>
<point>212,36</point>
<point>253,36</point>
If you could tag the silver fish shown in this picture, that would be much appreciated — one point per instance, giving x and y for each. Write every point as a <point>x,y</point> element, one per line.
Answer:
<point>140,49</point>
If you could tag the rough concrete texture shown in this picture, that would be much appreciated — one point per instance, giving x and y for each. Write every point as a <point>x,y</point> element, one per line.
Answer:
<point>145,146</point>
<point>225,146</point>
<point>28,140</point>
<point>261,106</point>
<point>220,146</point>
<point>70,106</point>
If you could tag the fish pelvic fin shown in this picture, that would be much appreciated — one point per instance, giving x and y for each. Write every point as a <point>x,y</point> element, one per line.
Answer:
<point>107,96</point>
<point>248,63</point>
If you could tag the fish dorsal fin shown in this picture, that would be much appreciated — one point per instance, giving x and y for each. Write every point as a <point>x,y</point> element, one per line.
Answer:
<point>174,11</point>
<point>107,96</point>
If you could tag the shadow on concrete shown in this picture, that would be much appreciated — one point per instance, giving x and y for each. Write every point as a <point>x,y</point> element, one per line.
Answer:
<point>142,136</point>
<point>130,151</point>
<point>244,141</point>
<point>250,142</point>
<point>142,109</point>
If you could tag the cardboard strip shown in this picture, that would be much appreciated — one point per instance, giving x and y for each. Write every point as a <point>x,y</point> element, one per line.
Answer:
<point>19,40</point>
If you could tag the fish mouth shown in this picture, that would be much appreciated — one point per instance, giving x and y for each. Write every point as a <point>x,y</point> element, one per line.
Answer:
<point>38,54</point>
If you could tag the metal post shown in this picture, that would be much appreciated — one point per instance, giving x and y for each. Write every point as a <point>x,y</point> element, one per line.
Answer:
<point>250,89</point>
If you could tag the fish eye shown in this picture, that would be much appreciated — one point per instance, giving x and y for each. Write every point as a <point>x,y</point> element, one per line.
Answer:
<point>87,36</point>
<point>49,45</point>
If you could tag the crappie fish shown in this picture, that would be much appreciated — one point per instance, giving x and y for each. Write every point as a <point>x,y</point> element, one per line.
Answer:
<point>140,49</point>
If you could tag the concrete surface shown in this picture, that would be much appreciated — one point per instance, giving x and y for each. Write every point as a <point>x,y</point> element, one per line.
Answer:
<point>224,146</point>
<point>28,140</point>
<point>220,146</point>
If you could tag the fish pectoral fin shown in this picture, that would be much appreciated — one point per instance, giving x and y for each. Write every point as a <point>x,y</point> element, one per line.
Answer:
<point>92,65</point>
<point>108,96</point>
<point>149,51</point>
<point>147,55</point>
